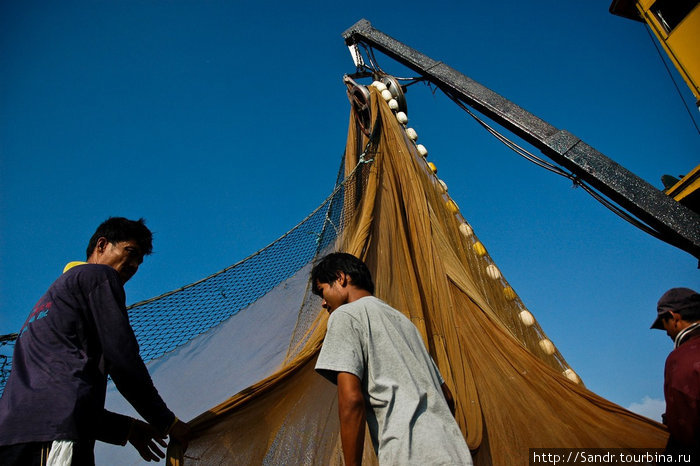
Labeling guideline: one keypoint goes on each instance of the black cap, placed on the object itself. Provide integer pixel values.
(675, 299)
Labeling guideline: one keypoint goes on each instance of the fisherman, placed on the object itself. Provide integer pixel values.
(76, 336)
(679, 314)
(384, 374)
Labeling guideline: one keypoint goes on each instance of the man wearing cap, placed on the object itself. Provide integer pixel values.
(679, 314)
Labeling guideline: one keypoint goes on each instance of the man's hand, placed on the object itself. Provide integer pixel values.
(180, 432)
(146, 440)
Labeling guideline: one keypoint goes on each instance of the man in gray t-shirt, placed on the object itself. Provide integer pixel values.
(384, 374)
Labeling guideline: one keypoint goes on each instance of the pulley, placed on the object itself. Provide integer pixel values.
(359, 99)
(398, 92)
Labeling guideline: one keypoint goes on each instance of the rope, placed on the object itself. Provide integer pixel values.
(559, 171)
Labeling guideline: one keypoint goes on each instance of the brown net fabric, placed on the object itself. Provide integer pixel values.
(509, 382)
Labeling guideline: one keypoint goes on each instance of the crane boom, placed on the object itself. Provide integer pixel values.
(674, 223)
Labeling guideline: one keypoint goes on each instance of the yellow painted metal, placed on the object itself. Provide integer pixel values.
(679, 39)
(680, 44)
(687, 186)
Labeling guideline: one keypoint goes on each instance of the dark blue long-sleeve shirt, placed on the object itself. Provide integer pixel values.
(76, 335)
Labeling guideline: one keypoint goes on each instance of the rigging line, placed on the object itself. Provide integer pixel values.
(415, 80)
(376, 62)
(328, 219)
(362, 66)
(511, 144)
(370, 57)
(373, 60)
(525, 154)
(621, 213)
(673, 79)
(559, 171)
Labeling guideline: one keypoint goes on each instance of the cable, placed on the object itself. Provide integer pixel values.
(559, 171)
(370, 58)
(510, 144)
(378, 69)
(673, 79)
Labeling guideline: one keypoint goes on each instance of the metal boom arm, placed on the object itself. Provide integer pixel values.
(675, 223)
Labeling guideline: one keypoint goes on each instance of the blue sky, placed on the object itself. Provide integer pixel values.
(223, 124)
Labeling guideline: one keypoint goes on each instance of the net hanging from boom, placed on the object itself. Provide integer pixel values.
(235, 352)
(510, 383)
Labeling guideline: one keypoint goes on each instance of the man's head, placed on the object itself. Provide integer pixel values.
(676, 310)
(121, 244)
(340, 278)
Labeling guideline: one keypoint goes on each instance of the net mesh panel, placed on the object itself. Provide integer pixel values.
(195, 309)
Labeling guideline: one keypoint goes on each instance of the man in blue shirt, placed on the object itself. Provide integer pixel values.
(76, 336)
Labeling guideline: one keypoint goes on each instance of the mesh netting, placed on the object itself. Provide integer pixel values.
(168, 321)
(194, 309)
(7, 344)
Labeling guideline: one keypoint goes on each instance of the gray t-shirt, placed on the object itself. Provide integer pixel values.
(407, 415)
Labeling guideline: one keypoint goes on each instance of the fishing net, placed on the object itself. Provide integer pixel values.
(234, 353)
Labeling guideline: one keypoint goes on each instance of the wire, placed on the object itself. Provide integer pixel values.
(370, 58)
(378, 69)
(673, 79)
(559, 171)
(370, 51)
(415, 80)
(510, 144)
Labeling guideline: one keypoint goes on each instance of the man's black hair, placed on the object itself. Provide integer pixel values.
(118, 229)
(328, 268)
(689, 315)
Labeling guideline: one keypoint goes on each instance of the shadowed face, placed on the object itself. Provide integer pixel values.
(671, 322)
(125, 257)
(334, 294)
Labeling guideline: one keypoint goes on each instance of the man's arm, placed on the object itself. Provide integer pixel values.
(448, 397)
(351, 410)
(113, 428)
(121, 354)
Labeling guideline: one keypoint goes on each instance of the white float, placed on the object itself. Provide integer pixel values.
(493, 272)
(571, 375)
(527, 318)
(466, 230)
(547, 346)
